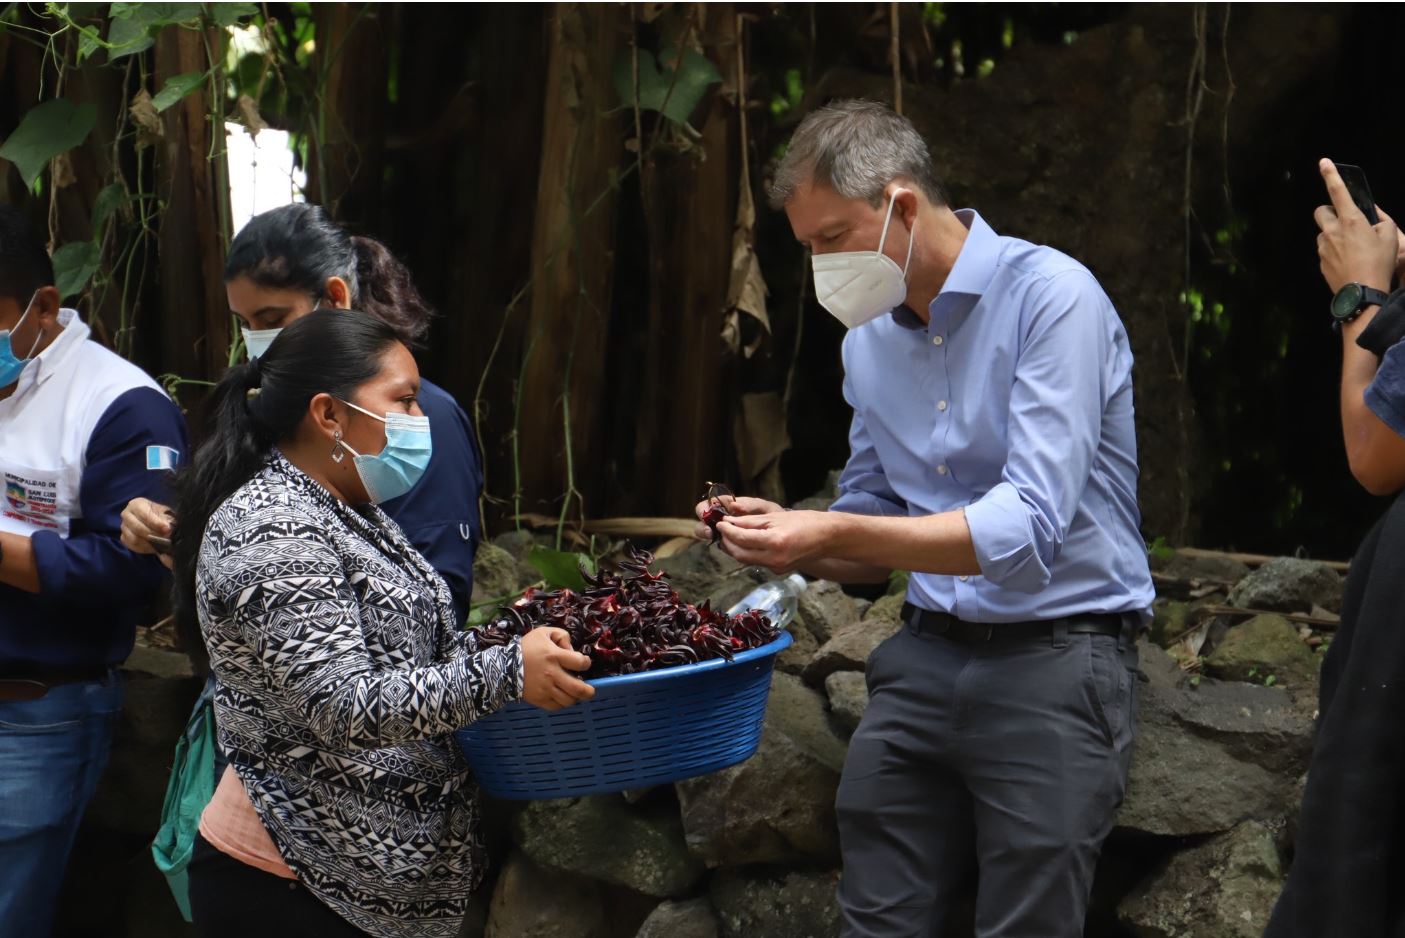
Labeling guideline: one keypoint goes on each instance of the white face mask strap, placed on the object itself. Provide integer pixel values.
(363, 410)
(910, 240)
(19, 322)
(883, 238)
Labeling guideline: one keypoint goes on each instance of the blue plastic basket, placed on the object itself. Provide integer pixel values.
(638, 730)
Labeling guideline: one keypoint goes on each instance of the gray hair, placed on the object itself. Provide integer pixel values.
(856, 148)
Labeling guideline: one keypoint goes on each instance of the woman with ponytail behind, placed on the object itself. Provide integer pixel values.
(346, 808)
(291, 260)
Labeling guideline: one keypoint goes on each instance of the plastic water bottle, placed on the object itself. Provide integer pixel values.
(778, 599)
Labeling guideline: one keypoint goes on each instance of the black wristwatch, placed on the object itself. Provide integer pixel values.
(1351, 300)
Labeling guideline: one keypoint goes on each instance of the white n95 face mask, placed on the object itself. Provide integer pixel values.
(257, 341)
(859, 286)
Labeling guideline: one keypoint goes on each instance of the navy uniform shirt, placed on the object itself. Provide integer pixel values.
(84, 432)
(1386, 393)
(440, 514)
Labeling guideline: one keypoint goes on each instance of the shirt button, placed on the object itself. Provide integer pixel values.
(941, 405)
(964, 579)
(942, 470)
(936, 340)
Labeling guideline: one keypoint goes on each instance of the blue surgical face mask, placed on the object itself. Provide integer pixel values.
(395, 470)
(10, 365)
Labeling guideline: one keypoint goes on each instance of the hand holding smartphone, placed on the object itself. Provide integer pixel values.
(1355, 180)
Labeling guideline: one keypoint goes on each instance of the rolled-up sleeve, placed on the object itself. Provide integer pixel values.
(863, 486)
(1056, 407)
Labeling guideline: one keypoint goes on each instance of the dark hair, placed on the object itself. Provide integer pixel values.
(255, 406)
(24, 262)
(300, 247)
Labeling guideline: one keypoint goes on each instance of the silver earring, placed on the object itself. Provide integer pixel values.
(337, 455)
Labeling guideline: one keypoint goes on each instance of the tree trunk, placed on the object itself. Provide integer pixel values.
(348, 152)
(194, 315)
(690, 208)
(572, 264)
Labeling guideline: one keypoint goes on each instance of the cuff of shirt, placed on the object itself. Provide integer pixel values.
(1003, 541)
(1383, 408)
(66, 570)
(855, 502)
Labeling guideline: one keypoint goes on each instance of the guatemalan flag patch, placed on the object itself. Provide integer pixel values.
(161, 457)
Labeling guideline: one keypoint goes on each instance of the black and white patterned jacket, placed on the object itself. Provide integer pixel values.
(340, 679)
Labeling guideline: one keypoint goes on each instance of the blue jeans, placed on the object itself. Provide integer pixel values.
(52, 752)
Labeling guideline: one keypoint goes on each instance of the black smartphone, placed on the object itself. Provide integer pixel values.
(1355, 181)
(162, 544)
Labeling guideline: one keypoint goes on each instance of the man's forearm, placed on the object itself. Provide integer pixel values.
(939, 544)
(17, 566)
(846, 571)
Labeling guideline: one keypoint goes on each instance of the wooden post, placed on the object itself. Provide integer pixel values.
(194, 315)
(572, 255)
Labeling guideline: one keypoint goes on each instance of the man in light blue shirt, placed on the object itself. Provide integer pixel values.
(993, 455)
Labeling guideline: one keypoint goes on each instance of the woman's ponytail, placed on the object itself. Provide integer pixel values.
(257, 406)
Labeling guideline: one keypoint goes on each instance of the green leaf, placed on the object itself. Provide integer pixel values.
(74, 266)
(229, 14)
(127, 36)
(177, 87)
(659, 89)
(89, 41)
(133, 24)
(47, 130)
(109, 200)
(1270, 681)
(561, 568)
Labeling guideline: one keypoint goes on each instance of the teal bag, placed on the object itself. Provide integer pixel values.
(191, 787)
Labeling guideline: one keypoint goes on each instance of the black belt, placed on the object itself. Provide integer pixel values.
(974, 633)
(34, 685)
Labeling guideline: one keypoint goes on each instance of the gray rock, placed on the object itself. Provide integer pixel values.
(1158, 669)
(803, 715)
(1224, 888)
(645, 852)
(520, 545)
(778, 806)
(1208, 758)
(795, 658)
(1263, 647)
(692, 919)
(799, 905)
(1170, 621)
(163, 663)
(495, 573)
(1208, 568)
(529, 902)
(517, 543)
(1287, 584)
(705, 572)
(850, 647)
(825, 608)
(848, 698)
(888, 608)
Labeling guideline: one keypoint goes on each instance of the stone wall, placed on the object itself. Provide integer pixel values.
(1200, 848)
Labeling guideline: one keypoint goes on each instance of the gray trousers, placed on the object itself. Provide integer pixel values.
(1010, 757)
